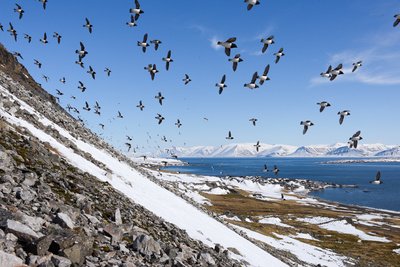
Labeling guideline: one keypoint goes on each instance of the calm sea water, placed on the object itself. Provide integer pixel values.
(383, 196)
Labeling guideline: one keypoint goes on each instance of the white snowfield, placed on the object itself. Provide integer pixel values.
(153, 197)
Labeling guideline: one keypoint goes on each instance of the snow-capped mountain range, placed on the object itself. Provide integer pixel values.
(266, 150)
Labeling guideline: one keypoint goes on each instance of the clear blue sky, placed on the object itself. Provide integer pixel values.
(314, 34)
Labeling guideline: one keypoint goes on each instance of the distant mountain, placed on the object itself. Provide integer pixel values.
(266, 150)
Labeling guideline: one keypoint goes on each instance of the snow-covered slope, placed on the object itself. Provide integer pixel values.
(140, 189)
(266, 150)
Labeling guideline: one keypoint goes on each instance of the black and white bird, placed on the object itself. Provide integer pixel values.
(80, 63)
(144, 43)
(355, 138)
(59, 92)
(58, 37)
(278, 55)
(12, 31)
(235, 61)
(37, 63)
(129, 138)
(46, 78)
(81, 86)
(336, 71)
(178, 123)
(137, 11)
(159, 118)
(252, 84)
(101, 125)
(275, 170)
(323, 105)
(62, 80)
(251, 3)
(132, 22)
(306, 125)
(342, 114)
(267, 42)
(44, 40)
(159, 97)
(82, 53)
(108, 71)
(230, 137)
(264, 77)
(187, 79)
(377, 179)
(167, 59)
(140, 105)
(156, 43)
(257, 145)
(28, 37)
(1, 27)
(44, 3)
(87, 106)
(228, 44)
(129, 146)
(91, 72)
(120, 115)
(97, 106)
(282, 197)
(327, 74)
(356, 65)
(19, 10)
(88, 25)
(222, 84)
(18, 55)
(397, 21)
(265, 168)
(253, 120)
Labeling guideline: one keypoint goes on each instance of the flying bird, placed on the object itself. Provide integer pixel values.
(323, 105)
(355, 138)
(377, 179)
(187, 79)
(1, 28)
(156, 43)
(178, 123)
(119, 115)
(230, 137)
(86, 107)
(81, 86)
(62, 80)
(140, 105)
(251, 3)
(222, 84)
(253, 120)
(167, 59)
(12, 31)
(143, 44)
(37, 63)
(108, 71)
(336, 71)
(265, 168)
(82, 53)
(267, 42)
(91, 72)
(264, 77)
(101, 125)
(58, 37)
(88, 25)
(278, 55)
(59, 92)
(80, 63)
(44, 3)
(252, 84)
(275, 170)
(129, 146)
(129, 138)
(235, 61)
(137, 11)
(159, 97)
(132, 22)
(159, 118)
(257, 145)
(44, 40)
(306, 124)
(327, 74)
(19, 10)
(342, 114)
(397, 20)
(356, 65)
(228, 44)
(46, 77)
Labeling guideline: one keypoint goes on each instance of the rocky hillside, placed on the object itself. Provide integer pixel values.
(54, 214)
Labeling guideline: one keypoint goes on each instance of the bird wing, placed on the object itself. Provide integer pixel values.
(87, 21)
(145, 38)
(378, 176)
(264, 48)
(169, 54)
(234, 66)
(341, 119)
(230, 40)
(333, 77)
(357, 134)
(253, 80)
(223, 79)
(338, 67)
(82, 47)
(305, 129)
(227, 51)
(396, 22)
(266, 70)
(137, 4)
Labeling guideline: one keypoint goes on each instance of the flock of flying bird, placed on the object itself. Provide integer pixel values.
(152, 69)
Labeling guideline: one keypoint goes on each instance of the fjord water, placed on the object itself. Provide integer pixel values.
(383, 196)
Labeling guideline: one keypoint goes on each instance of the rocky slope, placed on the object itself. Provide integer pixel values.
(53, 214)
